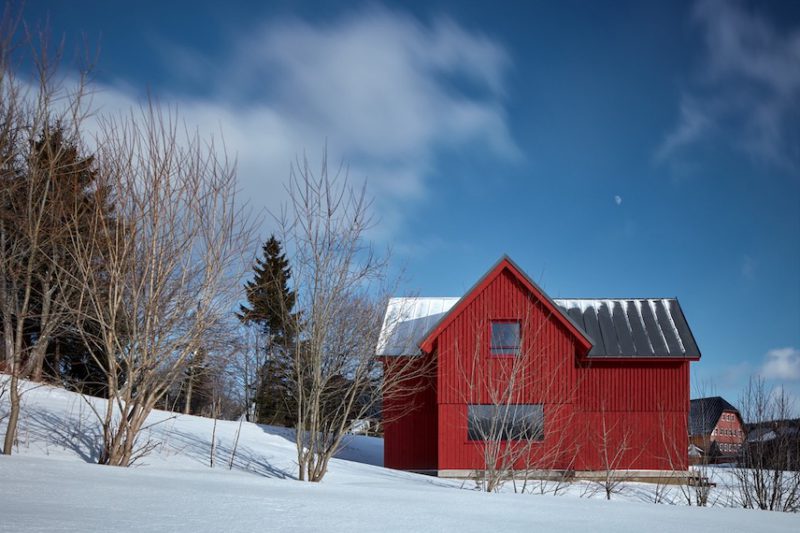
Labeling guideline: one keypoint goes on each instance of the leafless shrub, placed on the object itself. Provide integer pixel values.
(768, 474)
(171, 261)
(248, 356)
(614, 442)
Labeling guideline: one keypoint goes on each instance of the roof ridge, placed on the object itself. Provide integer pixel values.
(708, 398)
(561, 297)
(616, 298)
(424, 297)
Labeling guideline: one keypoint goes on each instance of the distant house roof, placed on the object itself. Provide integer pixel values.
(772, 429)
(704, 414)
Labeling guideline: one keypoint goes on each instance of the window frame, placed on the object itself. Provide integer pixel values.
(504, 350)
(538, 432)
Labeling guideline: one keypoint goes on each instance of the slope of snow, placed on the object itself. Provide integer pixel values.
(51, 485)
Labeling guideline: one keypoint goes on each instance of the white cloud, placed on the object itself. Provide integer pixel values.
(693, 124)
(386, 92)
(618, 199)
(782, 364)
(748, 88)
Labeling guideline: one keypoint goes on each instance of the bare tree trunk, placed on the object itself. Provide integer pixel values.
(213, 437)
(13, 417)
(235, 443)
(187, 408)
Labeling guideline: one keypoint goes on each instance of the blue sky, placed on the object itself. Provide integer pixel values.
(612, 149)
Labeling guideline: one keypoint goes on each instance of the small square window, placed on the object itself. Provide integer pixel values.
(505, 337)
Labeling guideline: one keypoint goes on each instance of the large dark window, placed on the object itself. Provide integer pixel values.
(505, 422)
(505, 337)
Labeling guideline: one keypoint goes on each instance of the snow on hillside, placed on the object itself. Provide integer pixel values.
(51, 485)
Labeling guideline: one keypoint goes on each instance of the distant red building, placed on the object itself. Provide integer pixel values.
(579, 376)
(716, 428)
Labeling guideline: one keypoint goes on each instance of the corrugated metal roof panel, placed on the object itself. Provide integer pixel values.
(652, 328)
(593, 328)
(674, 346)
(689, 344)
(634, 327)
(640, 340)
(623, 329)
(607, 329)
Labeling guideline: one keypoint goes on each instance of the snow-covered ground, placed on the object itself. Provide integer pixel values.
(52, 485)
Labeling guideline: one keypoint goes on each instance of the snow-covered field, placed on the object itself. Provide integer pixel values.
(52, 485)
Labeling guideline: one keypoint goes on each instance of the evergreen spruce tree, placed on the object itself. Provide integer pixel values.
(69, 357)
(270, 305)
(72, 178)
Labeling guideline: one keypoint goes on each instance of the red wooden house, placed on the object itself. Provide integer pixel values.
(577, 380)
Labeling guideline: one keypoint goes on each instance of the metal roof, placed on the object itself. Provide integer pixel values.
(644, 327)
(704, 414)
(407, 321)
(633, 327)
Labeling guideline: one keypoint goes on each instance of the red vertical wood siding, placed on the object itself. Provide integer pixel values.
(410, 425)
(645, 406)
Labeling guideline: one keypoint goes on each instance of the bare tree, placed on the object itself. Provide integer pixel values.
(39, 129)
(243, 367)
(768, 473)
(172, 258)
(342, 289)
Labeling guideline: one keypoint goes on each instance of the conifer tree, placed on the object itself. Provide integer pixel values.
(68, 358)
(270, 308)
(53, 166)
